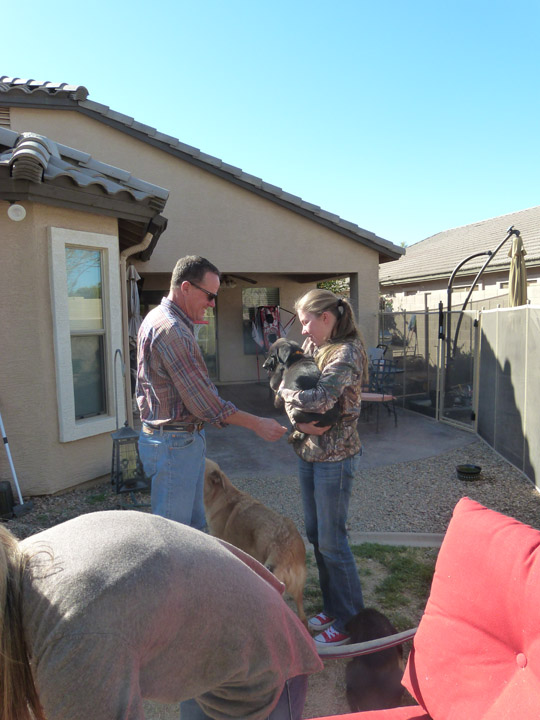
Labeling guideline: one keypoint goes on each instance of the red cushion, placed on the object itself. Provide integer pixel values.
(400, 713)
(477, 650)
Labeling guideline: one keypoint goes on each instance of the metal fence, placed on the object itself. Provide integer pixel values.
(486, 383)
(508, 411)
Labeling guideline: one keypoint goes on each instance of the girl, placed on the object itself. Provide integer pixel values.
(327, 455)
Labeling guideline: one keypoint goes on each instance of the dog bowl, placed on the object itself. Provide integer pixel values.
(468, 472)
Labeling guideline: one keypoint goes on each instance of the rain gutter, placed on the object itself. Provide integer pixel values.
(125, 320)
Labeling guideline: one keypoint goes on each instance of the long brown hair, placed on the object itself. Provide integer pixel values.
(18, 695)
(345, 330)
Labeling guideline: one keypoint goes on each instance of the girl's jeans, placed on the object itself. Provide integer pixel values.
(326, 491)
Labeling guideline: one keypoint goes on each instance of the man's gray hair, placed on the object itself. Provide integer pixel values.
(192, 267)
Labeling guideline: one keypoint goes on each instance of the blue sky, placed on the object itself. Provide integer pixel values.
(407, 118)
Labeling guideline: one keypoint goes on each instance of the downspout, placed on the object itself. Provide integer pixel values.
(125, 323)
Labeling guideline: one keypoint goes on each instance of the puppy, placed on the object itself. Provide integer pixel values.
(287, 363)
(270, 538)
(373, 681)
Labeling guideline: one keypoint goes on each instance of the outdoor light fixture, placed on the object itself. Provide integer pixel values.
(127, 473)
(16, 212)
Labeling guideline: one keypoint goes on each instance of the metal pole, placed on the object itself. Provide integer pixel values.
(511, 231)
(10, 460)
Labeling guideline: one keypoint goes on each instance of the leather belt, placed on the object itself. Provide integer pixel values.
(173, 427)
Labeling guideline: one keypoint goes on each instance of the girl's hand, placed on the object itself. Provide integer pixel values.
(312, 429)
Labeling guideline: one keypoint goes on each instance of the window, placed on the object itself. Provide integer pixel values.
(87, 329)
(252, 298)
(84, 272)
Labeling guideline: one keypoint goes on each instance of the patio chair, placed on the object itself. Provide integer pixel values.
(380, 389)
(375, 353)
(476, 654)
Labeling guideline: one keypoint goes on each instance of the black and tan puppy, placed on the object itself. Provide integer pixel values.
(373, 681)
(287, 363)
(270, 538)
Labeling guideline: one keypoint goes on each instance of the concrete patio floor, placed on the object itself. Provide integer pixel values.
(242, 453)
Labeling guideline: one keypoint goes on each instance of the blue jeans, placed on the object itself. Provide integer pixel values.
(175, 463)
(326, 491)
(290, 704)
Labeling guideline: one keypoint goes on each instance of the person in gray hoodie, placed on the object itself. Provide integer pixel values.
(105, 610)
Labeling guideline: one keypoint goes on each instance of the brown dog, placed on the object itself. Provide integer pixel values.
(373, 681)
(270, 538)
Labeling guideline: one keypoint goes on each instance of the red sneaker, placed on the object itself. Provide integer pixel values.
(332, 637)
(320, 621)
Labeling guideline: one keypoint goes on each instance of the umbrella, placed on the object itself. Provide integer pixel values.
(134, 305)
(517, 290)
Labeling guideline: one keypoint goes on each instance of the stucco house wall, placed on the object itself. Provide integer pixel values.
(236, 229)
(29, 391)
(82, 171)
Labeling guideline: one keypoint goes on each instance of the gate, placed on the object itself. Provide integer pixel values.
(434, 377)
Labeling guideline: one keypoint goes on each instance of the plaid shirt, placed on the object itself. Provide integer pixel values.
(172, 379)
(340, 382)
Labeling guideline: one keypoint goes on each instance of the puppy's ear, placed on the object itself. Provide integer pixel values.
(288, 351)
(284, 353)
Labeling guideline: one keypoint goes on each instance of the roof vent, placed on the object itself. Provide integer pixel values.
(30, 157)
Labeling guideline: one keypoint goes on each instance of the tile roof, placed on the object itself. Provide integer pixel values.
(38, 159)
(437, 256)
(24, 91)
(17, 85)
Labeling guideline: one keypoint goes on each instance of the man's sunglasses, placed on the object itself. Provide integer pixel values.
(211, 295)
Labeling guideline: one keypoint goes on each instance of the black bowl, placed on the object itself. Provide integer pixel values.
(468, 472)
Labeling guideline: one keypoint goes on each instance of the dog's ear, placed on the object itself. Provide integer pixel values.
(216, 478)
(289, 351)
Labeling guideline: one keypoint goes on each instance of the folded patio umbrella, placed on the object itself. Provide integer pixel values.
(134, 305)
(517, 288)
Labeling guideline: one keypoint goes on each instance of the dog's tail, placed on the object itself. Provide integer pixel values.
(290, 569)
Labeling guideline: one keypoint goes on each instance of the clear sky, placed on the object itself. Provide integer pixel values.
(407, 117)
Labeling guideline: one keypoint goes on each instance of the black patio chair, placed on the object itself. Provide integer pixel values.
(380, 388)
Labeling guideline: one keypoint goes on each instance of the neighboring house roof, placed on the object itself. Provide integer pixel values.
(437, 256)
(20, 92)
(36, 168)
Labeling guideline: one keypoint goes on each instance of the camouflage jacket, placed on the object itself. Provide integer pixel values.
(340, 382)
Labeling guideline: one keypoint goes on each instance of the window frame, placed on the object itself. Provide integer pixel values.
(69, 427)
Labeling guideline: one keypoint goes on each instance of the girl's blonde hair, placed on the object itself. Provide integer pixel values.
(319, 301)
(18, 695)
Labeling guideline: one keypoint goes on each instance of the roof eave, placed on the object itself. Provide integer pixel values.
(387, 251)
(142, 219)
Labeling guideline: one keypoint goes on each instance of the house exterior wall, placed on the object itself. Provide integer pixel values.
(236, 229)
(29, 394)
(491, 292)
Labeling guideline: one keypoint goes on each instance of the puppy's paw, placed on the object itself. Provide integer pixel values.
(296, 437)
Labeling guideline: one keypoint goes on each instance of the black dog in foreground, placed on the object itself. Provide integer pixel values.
(287, 363)
(373, 681)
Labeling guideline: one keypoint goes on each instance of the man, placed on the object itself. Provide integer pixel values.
(176, 396)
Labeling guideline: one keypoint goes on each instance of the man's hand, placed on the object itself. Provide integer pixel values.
(269, 429)
(312, 429)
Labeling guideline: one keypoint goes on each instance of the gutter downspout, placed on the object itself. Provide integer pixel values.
(125, 324)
